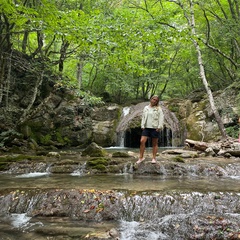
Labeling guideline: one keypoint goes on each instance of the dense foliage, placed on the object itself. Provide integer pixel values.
(122, 49)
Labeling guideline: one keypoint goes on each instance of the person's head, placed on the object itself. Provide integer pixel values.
(154, 100)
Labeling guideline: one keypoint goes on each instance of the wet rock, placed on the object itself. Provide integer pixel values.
(114, 233)
(98, 164)
(182, 152)
(66, 168)
(228, 147)
(167, 214)
(54, 154)
(121, 154)
(104, 122)
(209, 152)
(93, 150)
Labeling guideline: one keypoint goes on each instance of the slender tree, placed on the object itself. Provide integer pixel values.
(191, 22)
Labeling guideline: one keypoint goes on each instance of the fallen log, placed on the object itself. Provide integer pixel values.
(229, 146)
(197, 145)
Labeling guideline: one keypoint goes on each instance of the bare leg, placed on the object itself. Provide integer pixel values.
(142, 146)
(154, 147)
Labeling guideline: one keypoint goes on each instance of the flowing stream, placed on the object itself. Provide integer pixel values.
(194, 205)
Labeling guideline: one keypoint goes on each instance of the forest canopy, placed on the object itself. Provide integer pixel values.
(122, 50)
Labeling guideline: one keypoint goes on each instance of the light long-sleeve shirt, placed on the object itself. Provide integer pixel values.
(152, 117)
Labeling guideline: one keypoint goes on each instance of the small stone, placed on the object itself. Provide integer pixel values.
(114, 233)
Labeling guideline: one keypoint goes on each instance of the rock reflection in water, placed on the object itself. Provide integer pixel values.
(21, 227)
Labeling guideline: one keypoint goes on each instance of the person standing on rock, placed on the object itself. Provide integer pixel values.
(151, 124)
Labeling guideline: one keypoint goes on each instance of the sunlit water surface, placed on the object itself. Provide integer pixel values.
(123, 181)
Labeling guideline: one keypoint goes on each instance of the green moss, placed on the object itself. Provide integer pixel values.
(192, 129)
(45, 140)
(7, 159)
(178, 159)
(232, 131)
(174, 108)
(3, 166)
(94, 152)
(114, 169)
(135, 123)
(20, 157)
(203, 105)
(100, 167)
(34, 126)
(98, 163)
(95, 161)
(61, 139)
(120, 154)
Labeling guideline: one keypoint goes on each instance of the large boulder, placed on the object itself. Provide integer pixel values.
(65, 122)
(93, 150)
(105, 120)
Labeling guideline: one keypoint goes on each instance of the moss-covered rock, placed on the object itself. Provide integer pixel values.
(19, 157)
(121, 154)
(6, 160)
(178, 159)
(98, 163)
(93, 150)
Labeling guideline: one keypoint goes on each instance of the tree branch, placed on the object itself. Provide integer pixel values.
(221, 53)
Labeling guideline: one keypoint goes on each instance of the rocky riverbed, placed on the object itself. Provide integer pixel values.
(72, 195)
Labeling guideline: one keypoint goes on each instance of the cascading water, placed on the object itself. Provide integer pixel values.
(121, 134)
(37, 169)
(129, 130)
(194, 199)
(80, 171)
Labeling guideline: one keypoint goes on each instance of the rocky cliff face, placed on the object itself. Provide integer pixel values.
(60, 119)
(73, 123)
(197, 119)
(65, 122)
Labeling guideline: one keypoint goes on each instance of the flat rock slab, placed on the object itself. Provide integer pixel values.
(189, 153)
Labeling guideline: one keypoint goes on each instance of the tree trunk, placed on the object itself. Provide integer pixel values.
(79, 73)
(24, 41)
(2, 75)
(26, 112)
(63, 52)
(191, 22)
(8, 79)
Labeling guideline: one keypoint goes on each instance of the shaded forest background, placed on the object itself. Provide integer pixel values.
(119, 51)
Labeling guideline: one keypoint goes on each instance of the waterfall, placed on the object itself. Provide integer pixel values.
(126, 111)
(129, 129)
(121, 134)
(121, 139)
(39, 170)
(128, 168)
